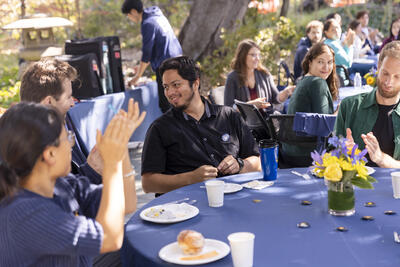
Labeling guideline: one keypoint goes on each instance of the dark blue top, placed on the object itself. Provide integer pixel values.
(158, 39)
(302, 48)
(79, 165)
(58, 231)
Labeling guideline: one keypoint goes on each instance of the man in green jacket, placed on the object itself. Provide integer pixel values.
(372, 120)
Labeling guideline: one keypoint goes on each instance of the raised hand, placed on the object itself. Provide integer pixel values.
(372, 145)
(95, 161)
(112, 145)
(350, 141)
(134, 120)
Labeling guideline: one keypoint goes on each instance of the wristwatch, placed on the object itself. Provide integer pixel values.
(241, 163)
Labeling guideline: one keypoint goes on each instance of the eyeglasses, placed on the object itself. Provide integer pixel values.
(255, 55)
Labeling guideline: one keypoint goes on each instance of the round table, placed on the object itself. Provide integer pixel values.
(274, 219)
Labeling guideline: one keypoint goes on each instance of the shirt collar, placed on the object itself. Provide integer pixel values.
(209, 111)
(370, 100)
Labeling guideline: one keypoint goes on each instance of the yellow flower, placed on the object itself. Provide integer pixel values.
(345, 164)
(333, 172)
(318, 172)
(361, 170)
(328, 159)
(370, 80)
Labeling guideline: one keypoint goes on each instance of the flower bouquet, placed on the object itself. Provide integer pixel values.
(342, 168)
(370, 77)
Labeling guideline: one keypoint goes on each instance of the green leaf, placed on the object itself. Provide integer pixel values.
(371, 179)
(361, 183)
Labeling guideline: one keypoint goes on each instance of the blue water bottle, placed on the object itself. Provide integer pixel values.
(269, 158)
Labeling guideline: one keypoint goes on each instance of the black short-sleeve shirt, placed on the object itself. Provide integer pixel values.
(177, 143)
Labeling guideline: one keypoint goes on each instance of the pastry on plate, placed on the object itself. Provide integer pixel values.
(191, 242)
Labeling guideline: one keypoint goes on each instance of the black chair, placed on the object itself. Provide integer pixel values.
(343, 80)
(255, 121)
(284, 74)
(282, 126)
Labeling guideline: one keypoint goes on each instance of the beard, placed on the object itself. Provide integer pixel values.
(186, 103)
(395, 91)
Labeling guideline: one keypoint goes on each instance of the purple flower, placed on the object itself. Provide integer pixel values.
(317, 157)
(334, 141)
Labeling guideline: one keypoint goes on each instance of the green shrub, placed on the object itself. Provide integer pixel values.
(9, 86)
(277, 38)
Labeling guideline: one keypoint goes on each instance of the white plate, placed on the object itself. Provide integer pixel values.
(370, 170)
(172, 252)
(169, 213)
(232, 188)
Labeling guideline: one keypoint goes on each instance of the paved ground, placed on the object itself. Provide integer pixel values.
(136, 155)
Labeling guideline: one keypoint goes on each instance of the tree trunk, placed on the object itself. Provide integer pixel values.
(78, 11)
(200, 35)
(23, 7)
(285, 8)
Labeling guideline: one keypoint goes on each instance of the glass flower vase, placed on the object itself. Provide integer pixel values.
(341, 198)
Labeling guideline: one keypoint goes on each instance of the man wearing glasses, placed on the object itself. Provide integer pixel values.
(49, 82)
(195, 140)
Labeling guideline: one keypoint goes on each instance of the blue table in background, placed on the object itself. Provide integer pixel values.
(279, 242)
(89, 115)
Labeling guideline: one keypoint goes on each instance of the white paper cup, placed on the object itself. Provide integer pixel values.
(215, 193)
(242, 248)
(396, 184)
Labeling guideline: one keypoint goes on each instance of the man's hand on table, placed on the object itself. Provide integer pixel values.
(204, 172)
(229, 165)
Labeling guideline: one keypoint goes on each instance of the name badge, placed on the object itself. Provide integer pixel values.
(225, 137)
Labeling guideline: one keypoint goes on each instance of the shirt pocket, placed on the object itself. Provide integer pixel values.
(230, 148)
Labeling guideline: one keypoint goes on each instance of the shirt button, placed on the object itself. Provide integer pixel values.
(205, 139)
(212, 155)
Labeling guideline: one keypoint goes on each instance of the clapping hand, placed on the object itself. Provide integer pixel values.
(112, 145)
(372, 145)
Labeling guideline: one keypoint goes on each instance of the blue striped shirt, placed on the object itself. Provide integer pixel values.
(58, 231)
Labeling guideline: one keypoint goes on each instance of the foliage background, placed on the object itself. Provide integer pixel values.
(277, 37)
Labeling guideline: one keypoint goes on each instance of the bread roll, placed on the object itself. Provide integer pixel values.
(191, 242)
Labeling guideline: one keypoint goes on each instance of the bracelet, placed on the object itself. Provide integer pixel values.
(129, 174)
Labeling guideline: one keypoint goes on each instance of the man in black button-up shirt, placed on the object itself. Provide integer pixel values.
(195, 140)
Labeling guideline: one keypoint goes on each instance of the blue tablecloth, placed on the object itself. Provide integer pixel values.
(279, 242)
(96, 113)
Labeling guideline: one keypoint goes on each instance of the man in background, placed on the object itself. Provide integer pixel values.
(313, 36)
(372, 37)
(158, 42)
(48, 82)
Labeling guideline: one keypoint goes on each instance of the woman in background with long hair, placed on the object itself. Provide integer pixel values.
(250, 81)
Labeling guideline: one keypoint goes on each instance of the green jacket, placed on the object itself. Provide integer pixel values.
(359, 113)
(311, 95)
